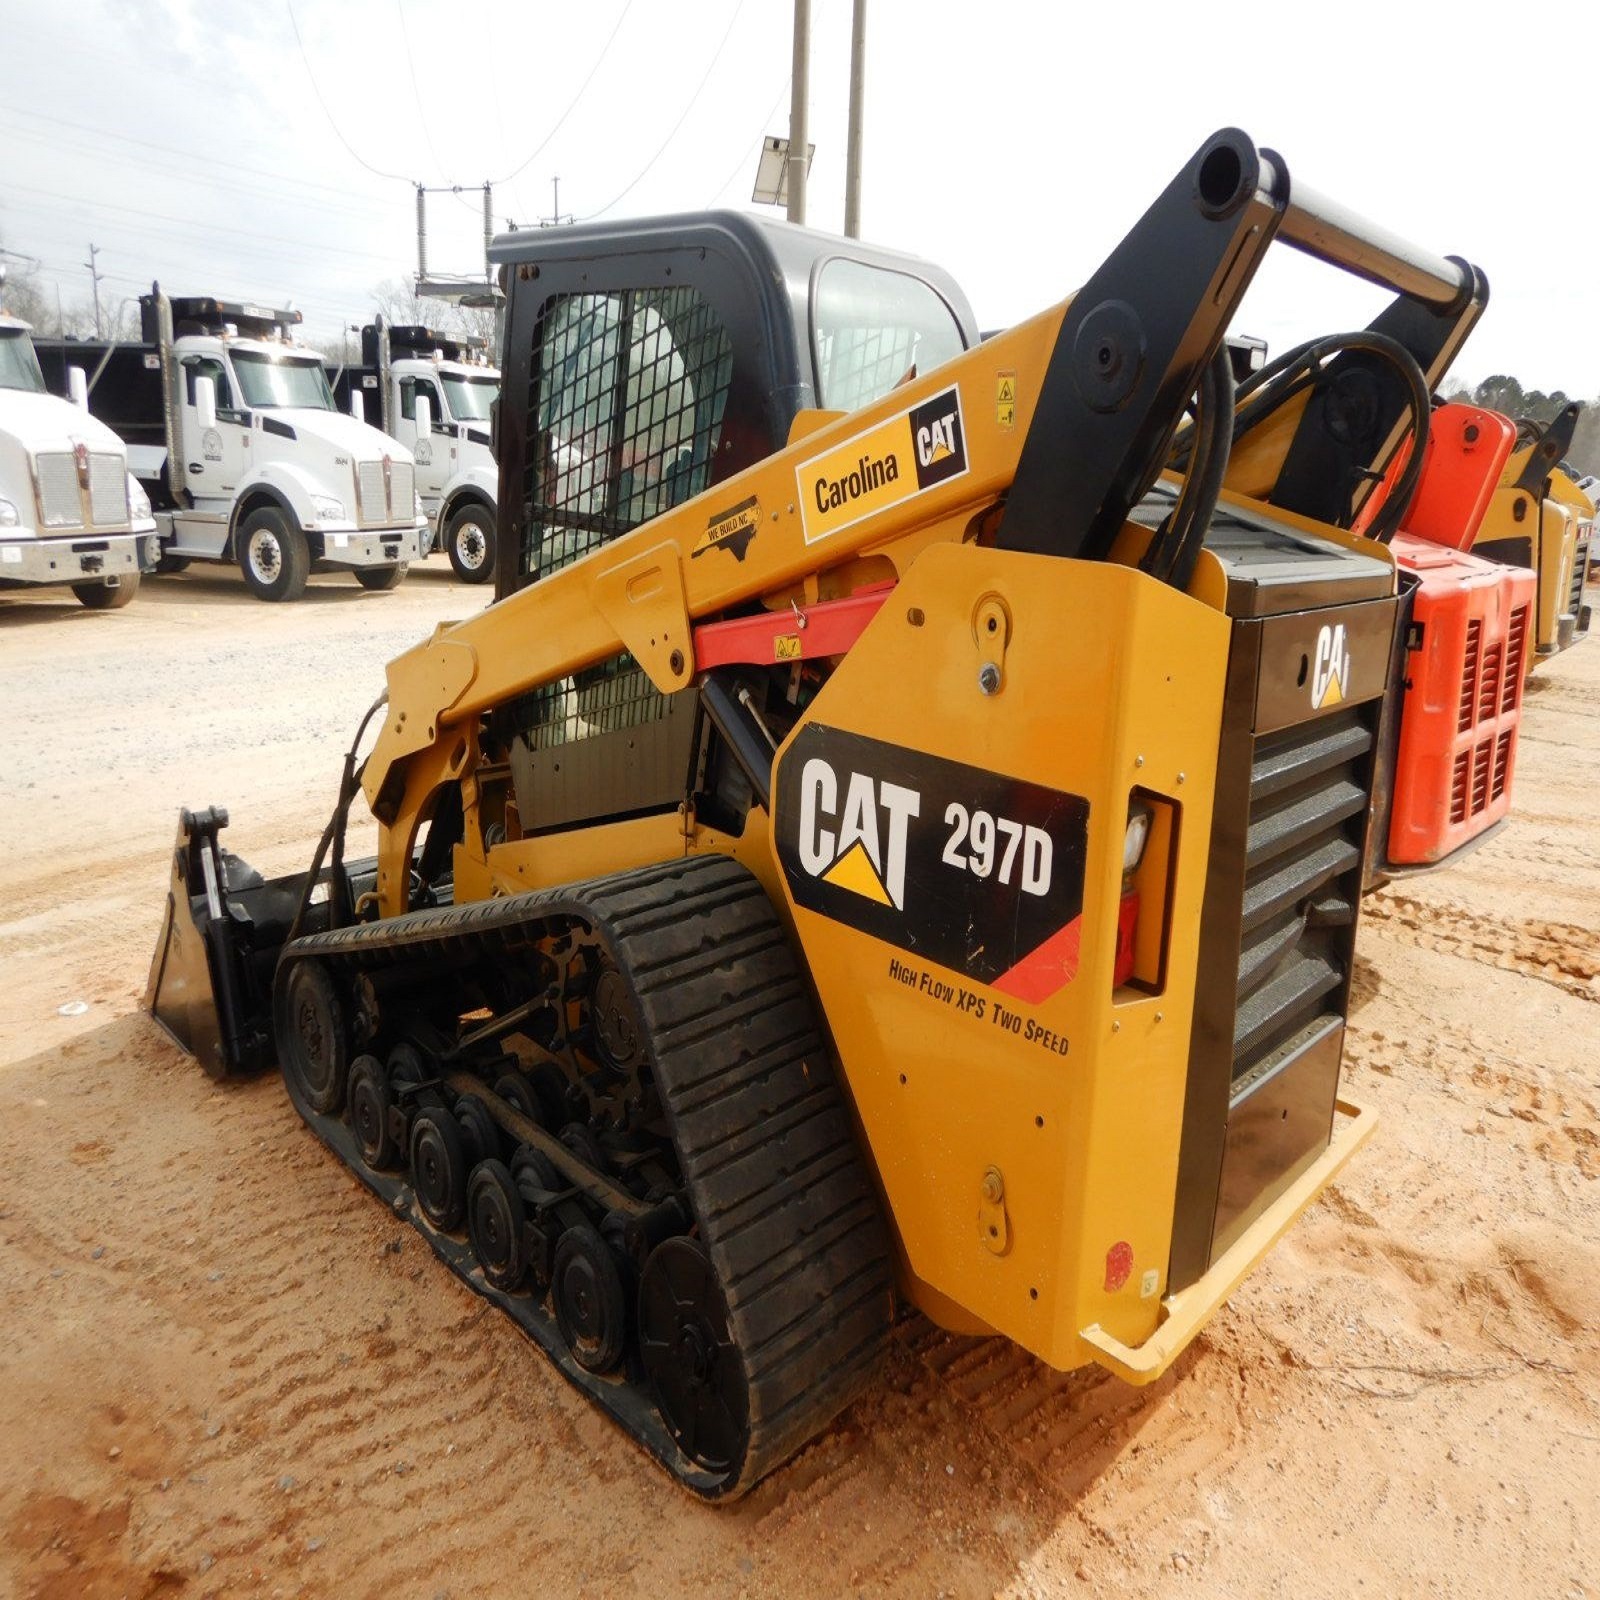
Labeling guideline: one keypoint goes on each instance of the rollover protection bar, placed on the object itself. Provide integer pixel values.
(1318, 225)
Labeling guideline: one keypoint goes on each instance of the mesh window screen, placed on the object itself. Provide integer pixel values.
(628, 391)
(628, 394)
(872, 326)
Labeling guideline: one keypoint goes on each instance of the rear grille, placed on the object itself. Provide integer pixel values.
(1516, 643)
(1308, 814)
(1469, 675)
(59, 503)
(108, 491)
(1460, 781)
(1580, 569)
(1489, 684)
(1502, 763)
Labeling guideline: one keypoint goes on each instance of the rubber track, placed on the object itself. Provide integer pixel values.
(767, 1150)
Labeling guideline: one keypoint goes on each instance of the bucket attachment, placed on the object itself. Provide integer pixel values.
(211, 977)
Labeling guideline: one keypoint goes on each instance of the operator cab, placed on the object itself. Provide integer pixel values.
(663, 356)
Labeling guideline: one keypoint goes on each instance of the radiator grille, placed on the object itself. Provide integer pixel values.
(1460, 782)
(1516, 643)
(1308, 815)
(374, 504)
(1580, 570)
(59, 502)
(108, 491)
(402, 494)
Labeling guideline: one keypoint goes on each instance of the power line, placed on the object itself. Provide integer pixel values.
(120, 138)
(693, 98)
(411, 64)
(311, 78)
(604, 49)
(232, 185)
(206, 229)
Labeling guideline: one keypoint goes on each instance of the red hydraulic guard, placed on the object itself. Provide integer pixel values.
(1466, 451)
(1463, 699)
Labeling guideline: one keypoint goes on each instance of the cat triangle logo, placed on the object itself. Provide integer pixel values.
(854, 871)
(1330, 669)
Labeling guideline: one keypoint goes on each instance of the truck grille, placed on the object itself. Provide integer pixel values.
(108, 491)
(59, 502)
(374, 504)
(397, 503)
(1308, 814)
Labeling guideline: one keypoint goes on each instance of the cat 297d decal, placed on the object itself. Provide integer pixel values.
(961, 866)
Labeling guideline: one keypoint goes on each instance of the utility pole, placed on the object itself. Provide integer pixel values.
(852, 160)
(488, 230)
(422, 233)
(799, 133)
(94, 275)
(555, 219)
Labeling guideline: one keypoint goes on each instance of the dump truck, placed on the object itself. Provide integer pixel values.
(232, 430)
(435, 393)
(898, 834)
(70, 514)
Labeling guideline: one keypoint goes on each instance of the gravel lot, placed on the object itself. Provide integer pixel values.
(226, 1370)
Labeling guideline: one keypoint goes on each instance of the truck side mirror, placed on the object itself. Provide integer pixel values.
(205, 401)
(78, 388)
(358, 404)
(424, 416)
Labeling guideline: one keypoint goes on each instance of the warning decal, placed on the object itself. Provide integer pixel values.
(882, 467)
(1005, 400)
(961, 866)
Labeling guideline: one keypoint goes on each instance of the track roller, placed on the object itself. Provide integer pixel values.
(439, 1167)
(591, 1304)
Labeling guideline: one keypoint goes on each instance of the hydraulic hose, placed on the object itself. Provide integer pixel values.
(1175, 548)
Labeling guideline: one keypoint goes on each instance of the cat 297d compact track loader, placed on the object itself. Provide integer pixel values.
(900, 828)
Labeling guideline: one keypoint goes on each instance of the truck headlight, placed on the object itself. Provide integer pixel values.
(9, 516)
(327, 508)
(1136, 837)
(138, 500)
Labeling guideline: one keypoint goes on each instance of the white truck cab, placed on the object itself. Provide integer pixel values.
(69, 512)
(232, 428)
(433, 393)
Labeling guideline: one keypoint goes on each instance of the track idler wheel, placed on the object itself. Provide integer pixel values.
(370, 1101)
(439, 1167)
(690, 1358)
(313, 1045)
(496, 1224)
(591, 1305)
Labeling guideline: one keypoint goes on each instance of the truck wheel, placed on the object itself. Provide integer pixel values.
(103, 596)
(272, 555)
(382, 577)
(469, 537)
(170, 564)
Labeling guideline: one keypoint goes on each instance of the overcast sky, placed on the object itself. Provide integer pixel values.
(201, 142)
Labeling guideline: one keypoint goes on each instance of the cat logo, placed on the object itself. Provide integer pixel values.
(936, 435)
(1330, 670)
(936, 441)
(861, 847)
